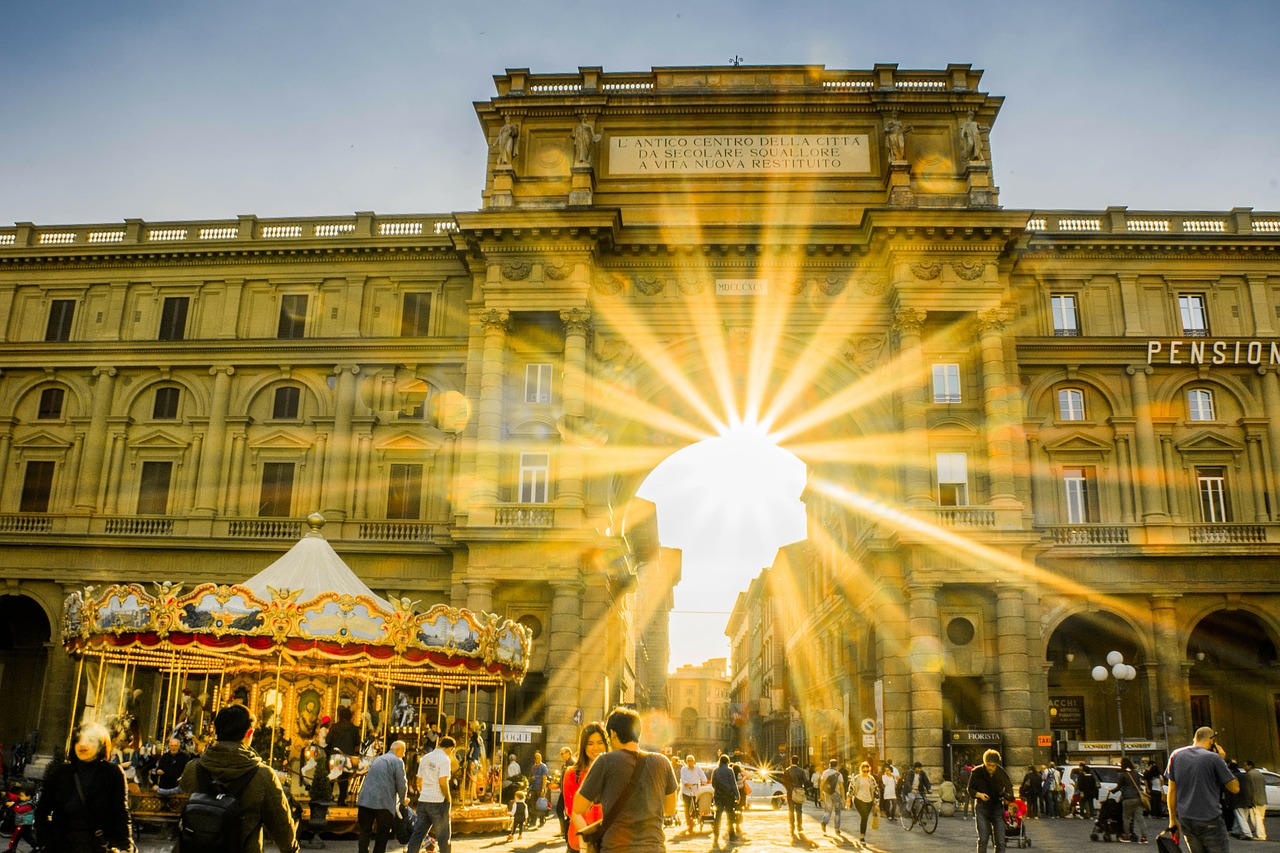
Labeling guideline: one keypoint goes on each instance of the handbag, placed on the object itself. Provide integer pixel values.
(1143, 796)
(589, 837)
(404, 826)
(875, 819)
(797, 796)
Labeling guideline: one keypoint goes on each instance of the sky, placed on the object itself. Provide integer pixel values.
(183, 110)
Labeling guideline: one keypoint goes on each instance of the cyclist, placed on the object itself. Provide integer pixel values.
(916, 786)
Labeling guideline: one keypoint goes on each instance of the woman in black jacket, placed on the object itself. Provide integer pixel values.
(85, 804)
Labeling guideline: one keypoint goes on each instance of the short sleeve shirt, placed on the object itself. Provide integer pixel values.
(638, 826)
(1199, 775)
(691, 780)
(433, 767)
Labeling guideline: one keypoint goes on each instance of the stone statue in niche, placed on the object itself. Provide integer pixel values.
(584, 136)
(895, 138)
(971, 139)
(508, 143)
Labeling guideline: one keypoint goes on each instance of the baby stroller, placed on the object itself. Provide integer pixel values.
(1110, 821)
(1015, 824)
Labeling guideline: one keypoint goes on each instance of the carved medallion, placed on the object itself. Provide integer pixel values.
(556, 271)
(926, 270)
(649, 284)
(516, 270)
(969, 270)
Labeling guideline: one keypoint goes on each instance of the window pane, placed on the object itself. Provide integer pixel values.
(51, 404)
(534, 472)
(952, 468)
(404, 492)
(293, 316)
(285, 406)
(173, 318)
(537, 383)
(1195, 322)
(37, 486)
(414, 317)
(1078, 494)
(166, 404)
(153, 489)
(1212, 483)
(1070, 405)
(1064, 316)
(277, 490)
(1200, 405)
(61, 313)
(946, 383)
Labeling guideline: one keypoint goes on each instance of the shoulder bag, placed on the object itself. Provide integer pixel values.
(589, 838)
(1143, 796)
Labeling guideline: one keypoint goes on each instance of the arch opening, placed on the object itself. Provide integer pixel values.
(24, 638)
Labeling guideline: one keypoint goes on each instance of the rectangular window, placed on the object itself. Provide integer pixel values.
(1212, 484)
(1065, 320)
(404, 492)
(1080, 486)
(537, 383)
(173, 318)
(1071, 404)
(285, 404)
(61, 313)
(153, 488)
(37, 486)
(293, 316)
(1199, 405)
(166, 404)
(1195, 322)
(535, 469)
(277, 490)
(415, 314)
(946, 383)
(51, 400)
(1201, 711)
(953, 480)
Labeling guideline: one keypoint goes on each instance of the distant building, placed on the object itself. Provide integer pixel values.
(698, 701)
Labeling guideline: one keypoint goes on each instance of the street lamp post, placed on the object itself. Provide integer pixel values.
(1120, 673)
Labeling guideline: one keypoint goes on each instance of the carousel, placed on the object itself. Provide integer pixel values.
(296, 643)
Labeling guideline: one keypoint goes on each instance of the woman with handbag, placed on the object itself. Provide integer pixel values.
(85, 804)
(864, 791)
(1133, 826)
(592, 743)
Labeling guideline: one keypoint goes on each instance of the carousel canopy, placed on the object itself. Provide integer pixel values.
(307, 610)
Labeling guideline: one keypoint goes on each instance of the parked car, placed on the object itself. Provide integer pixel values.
(1273, 790)
(1106, 774)
(765, 789)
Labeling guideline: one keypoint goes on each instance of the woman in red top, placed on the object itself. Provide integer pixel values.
(592, 743)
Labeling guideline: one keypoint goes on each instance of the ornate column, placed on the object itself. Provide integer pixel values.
(1148, 468)
(210, 490)
(338, 484)
(318, 455)
(1039, 502)
(576, 325)
(1014, 675)
(995, 392)
(909, 322)
(1271, 398)
(193, 471)
(89, 484)
(489, 419)
(926, 674)
(893, 635)
(234, 505)
(111, 502)
(1257, 484)
(564, 696)
(5, 439)
(1170, 479)
(1125, 479)
(364, 477)
(73, 459)
(1172, 688)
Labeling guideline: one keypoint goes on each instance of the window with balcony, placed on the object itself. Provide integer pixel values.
(1081, 494)
(1066, 322)
(173, 318)
(537, 383)
(1070, 404)
(535, 472)
(61, 313)
(51, 400)
(1195, 320)
(1200, 405)
(37, 486)
(276, 500)
(153, 488)
(414, 315)
(946, 383)
(284, 404)
(1215, 507)
(165, 407)
(404, 492)
(953, 479)
(293, 316)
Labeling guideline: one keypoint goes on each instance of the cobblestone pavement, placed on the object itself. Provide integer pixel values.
(767, 831)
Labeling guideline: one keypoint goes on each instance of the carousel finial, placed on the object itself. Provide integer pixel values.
(316, 520)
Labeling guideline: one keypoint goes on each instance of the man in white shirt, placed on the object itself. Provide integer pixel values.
(434, 771)
(692, 780)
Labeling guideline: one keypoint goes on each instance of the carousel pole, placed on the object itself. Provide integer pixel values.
(99, 686)
(75, 703)
(271, 750)
(440, 710)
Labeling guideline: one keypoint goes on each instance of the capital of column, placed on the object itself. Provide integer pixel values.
(576, 320)
(109, 372)
(495, 319)
(215, 370)
(566, 587)
(992, 320)
(1135, 369)
(1164, 599)
(923, 590)
(909, 320)
(479, 584)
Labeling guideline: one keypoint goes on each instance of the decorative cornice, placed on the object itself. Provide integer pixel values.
(909, 320)
(992, 320)
(576, 320)
(495, 319)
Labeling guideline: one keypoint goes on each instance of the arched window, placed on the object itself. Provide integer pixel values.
(1200, 405)
(1070, 404)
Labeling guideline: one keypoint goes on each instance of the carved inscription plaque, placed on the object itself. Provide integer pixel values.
(727, 154)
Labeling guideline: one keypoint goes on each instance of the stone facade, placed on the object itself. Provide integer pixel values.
(698, 699)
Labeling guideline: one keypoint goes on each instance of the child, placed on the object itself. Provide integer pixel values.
(24, 818)
(519, 814)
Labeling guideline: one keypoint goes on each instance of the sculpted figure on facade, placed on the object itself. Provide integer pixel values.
(508, 143)
(895, 138)
(584, 137)
(971, 139)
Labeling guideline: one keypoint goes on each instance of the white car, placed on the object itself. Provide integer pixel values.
(1273, 790)
(765, 789)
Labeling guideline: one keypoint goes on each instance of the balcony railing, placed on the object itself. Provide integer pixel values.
(963, 516)
(524, 515)
(1228, 534)
(1120, 220)
(139, 526)
(1090, 534)
(264, 528)
(25, 523)
(395, 531)
(1102, 535)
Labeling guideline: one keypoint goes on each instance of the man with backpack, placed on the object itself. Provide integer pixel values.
(234, 795)
(832, 786)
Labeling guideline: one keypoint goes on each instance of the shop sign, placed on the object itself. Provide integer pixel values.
(1114, 745)
(1044, 740)
(972, 738)
(1066, 712)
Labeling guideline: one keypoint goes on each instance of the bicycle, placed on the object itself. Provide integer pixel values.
(922, 813)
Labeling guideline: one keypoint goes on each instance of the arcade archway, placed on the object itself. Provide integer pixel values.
(24, 637)
(1233, 683)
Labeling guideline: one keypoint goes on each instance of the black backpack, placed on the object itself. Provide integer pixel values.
(210, 821)
(831, 784)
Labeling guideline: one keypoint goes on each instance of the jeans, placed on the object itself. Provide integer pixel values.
(434, 816)
(723, 807)
(834, 804)
(1133, 824)
(989, 824)
(366, 818)
(1205, 836)
(795, 814)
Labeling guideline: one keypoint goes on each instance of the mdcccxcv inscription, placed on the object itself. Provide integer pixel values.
(1207, 352)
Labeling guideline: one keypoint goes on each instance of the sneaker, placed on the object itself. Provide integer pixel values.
(1124, 839)
(1142, 840)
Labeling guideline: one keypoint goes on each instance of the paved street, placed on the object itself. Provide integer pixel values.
(767, 831)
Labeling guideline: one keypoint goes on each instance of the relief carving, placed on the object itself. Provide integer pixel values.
(691, 284)
(909, 320)
(969, 270)
(610, 284)
(516, 270)
(556, 271)
(926, 270)
(649, 284)
(832, 285)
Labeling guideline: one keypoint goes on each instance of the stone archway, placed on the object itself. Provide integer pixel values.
(1234, 684)
(24, 650)
(1081, 709)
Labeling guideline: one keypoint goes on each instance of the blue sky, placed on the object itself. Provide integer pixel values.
(184, 110)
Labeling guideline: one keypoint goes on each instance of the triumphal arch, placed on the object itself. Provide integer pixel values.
(1033, 437)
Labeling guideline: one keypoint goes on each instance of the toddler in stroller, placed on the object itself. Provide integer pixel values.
(1015, 824)
(1110, 821)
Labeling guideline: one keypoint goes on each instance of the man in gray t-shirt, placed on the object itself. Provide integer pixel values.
(1197, 774)
(637, 825)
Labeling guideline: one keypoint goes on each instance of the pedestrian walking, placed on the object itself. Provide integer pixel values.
(1197, 774)
(382, 793)
(1133, 826)
(724, 791)
(832, 787)
(434, 796)
(991, 788)
(84, 806)
(864, 792)
(593, 742)
(794, 783)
